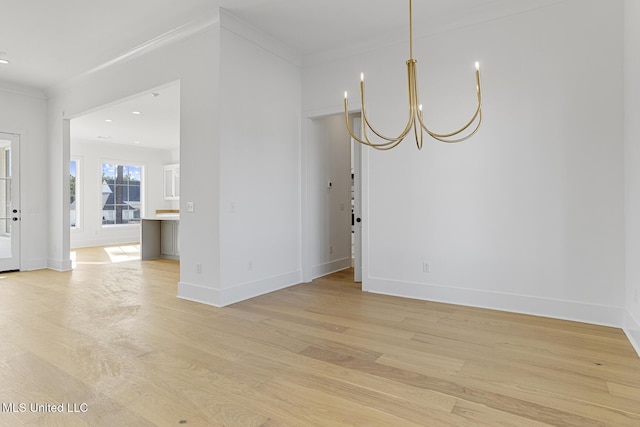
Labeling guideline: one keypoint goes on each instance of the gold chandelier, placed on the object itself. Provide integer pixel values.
(415, 111)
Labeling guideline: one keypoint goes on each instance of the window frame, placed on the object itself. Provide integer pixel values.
(78, 193)
(124, 163)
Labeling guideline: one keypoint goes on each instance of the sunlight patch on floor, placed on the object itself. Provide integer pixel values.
(123, 253)
(105, 255)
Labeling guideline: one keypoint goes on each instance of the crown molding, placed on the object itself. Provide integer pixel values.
(235, 25)
(17, 89)
(182, 32)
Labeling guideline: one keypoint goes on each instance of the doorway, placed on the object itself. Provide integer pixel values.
(119, 153)
(333, 199)
(10, 202)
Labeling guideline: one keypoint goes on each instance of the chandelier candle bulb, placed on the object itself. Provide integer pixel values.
(416, 121)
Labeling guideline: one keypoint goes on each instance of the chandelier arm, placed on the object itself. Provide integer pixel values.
(415, 110)
(452, 141)
(382, 146)
(416, 125)
(454, 133)
(350, 129)
(386, 147)
(391, 140)
(414, 80)
(399, 138)
(388, 142)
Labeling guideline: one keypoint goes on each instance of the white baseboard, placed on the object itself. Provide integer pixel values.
(200, 294)
(33, 264)
(227, 296)
(105, 241)
(59, 264)
(330, 267)
(632, 330)
(544, 307)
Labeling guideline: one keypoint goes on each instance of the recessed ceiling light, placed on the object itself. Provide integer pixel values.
(155, 94)
(137, 113)
(136, 142)
(3, 61)
(108, 120)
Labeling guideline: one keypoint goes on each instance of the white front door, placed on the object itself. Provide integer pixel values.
(9, 202)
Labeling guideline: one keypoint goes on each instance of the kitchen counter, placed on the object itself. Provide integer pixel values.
(163, 217)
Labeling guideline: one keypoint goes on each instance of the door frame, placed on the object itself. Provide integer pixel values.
(306, 225)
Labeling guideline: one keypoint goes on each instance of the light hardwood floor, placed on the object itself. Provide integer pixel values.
(112, 340)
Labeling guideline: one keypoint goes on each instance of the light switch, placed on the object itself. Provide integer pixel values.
(189, 206)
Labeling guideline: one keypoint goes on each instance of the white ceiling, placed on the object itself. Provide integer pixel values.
(48, 42)
(157, 125)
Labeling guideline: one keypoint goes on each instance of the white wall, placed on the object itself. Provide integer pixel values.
(23, 111)
(260, 164)
(329, 209)
(91, 156)
(193, 60)
(632, 170)
(251, 147)
(528, 215)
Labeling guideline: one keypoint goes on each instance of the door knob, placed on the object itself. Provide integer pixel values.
(358, 220)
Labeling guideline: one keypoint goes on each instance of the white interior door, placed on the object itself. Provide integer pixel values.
(357, 203)
(9, 202)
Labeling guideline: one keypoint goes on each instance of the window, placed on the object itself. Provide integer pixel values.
(5, 191)
(121, 194)
(73, 192)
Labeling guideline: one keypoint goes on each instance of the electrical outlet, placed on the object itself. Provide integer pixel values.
(250, 266)
(426, 268)
(199, 268)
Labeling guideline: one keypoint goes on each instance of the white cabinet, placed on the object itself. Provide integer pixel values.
(160, 238)
(172, 182)
(170, 239)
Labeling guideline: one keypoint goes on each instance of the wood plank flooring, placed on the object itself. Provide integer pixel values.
(112, 344)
